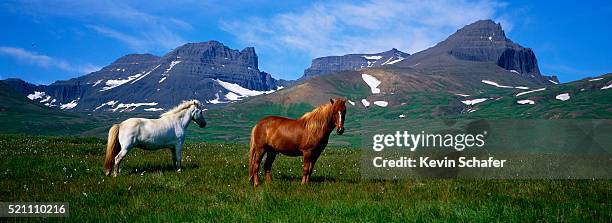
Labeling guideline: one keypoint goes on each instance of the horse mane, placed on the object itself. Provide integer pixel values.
(182, 106)
(317, 118)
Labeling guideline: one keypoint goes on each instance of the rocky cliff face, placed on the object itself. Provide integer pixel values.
(486, 41)
(214, 60)
(330, 64)
(208, 71)
(482, 41)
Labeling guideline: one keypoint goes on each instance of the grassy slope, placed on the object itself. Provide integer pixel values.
(19, 115)
(213, 188)
(587, 100)
(234, 122)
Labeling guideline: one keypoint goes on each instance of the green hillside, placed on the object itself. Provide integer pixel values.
(20, 115)
(410, 94)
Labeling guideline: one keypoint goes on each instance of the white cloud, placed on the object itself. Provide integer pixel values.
(45, 61)
(124, 21)
(162, 38)
(333, 28)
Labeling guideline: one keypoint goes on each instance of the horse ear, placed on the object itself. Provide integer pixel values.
(331, 101)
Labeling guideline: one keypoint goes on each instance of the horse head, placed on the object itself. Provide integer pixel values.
(339, 112)
(197, 115)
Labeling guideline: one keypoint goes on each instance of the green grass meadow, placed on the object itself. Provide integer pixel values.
(213, 187)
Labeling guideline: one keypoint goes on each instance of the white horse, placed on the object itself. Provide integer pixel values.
(168, 131)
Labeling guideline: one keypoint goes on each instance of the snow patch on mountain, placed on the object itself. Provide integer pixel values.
(237, 92)
(132, 106)
(162, 79)
(395, 61)
(48, 98)
(50, 104)
(365, 102)
(554, 82)
(110, 84)
(372, 82)
(109, 103)
(36, 95)
(495, 84)
(525, 102)
(216, 100)
(70, 105)
(147, 73)
(232, 96)
(492, 83)
(473, 101)
(563, 97)
(97, 82)
(391, 61)
(606, 87)
(153, 109)
(172, 64)
(596, 79)
(372, 57)
(527, 92)
(381, 103)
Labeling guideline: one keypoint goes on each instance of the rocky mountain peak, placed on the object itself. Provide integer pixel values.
(214, 52)
(481, 28)
(208, 71)
(485, 40)
(330, 64)
(135, 58)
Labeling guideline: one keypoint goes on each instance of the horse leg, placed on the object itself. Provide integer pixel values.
(313, 160)
(127, 142)
(258, 156)
(118, 160)
(268, 165)
(177, 156)
(307, 163)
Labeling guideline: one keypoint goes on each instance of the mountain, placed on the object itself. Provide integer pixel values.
(475, 72)
(208, 71)
(472, 48)
(331, 64)
(482, 41)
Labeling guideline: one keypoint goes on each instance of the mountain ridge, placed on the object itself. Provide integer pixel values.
(330, 64)
(481, 41)
(215, 74)
(145, 81)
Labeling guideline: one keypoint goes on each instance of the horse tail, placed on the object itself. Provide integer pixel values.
(112, 148)
(252, 154)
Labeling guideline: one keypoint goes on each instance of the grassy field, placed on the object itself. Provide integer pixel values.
(213, 187)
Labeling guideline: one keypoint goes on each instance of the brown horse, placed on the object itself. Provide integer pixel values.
(306, 136)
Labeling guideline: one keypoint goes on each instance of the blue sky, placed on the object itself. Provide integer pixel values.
(44, 41)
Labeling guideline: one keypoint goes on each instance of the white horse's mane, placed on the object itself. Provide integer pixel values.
(182, 106)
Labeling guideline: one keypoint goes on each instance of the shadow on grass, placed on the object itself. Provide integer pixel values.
(313, 179)
(161, 167)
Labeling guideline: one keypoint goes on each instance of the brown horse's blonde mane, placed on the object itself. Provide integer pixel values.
(317, 118)
(182, 106)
